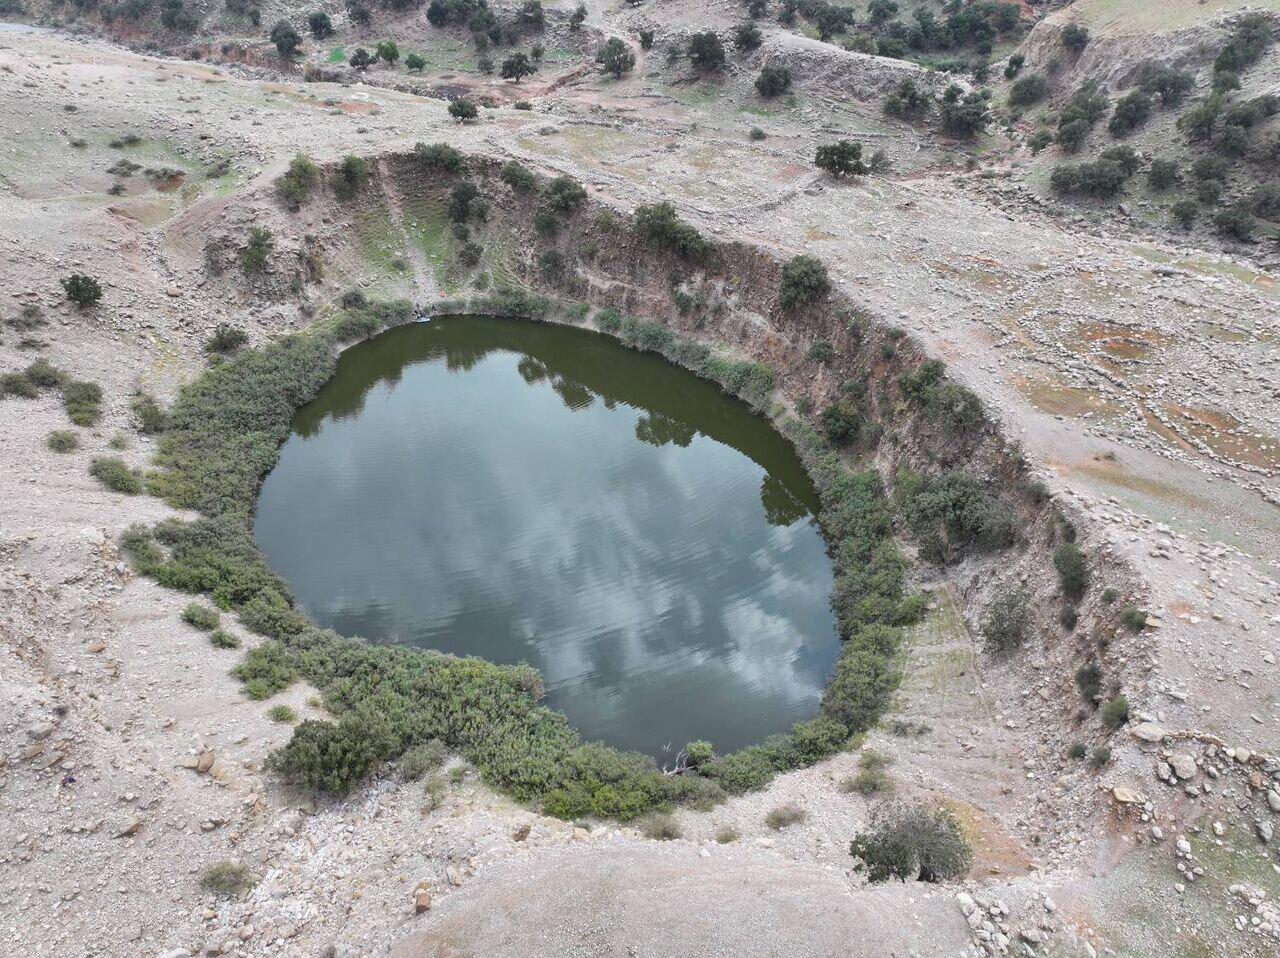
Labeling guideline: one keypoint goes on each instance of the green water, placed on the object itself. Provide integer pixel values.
(538, 493)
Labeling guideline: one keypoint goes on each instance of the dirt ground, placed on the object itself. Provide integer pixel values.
(1140, 377)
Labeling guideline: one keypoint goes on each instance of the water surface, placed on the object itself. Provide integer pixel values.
(537, 493)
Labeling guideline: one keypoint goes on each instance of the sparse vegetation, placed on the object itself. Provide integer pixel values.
(784, 816)
(1007, 621)
(660, 827)
(228, 879)
(282, 713)
(63, 441)
(201, 616)
(116, 475)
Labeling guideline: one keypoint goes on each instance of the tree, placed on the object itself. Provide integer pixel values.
(706, 52)
(1235, 222)
(1131, 112)
(565, 194)
(298, 181)
(773, 81)
(387, 51)
(1027, 90)
(516, 67)
(1075, 37)
(415, 62)
(320, 25)
(747, 36)
(82, 290)
(842, 158)
(531, 15)
(361, 59)
(616, 58)
(804, 279)
(359, 13)
(286, 39)
(1170, 85)
(659, 225)
(463, 110)
(578, 17)
(908, 100)
(881, 11)
(1163, 174)
(964, 114)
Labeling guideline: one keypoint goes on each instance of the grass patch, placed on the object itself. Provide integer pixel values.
(63, 440)
(282, 713)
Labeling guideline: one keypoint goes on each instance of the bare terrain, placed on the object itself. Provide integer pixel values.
(1139, 368)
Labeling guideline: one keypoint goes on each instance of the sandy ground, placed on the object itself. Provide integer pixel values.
(1141, 379)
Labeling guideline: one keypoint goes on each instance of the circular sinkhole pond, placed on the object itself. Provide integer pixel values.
(537, 493)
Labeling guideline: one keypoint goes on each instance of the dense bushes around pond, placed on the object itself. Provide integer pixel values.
(222, 437)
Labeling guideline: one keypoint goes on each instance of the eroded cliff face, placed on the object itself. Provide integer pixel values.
(730, 299)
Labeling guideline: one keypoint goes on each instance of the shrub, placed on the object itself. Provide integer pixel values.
(334, 757)
(1100, 756)
(842, 158)
(870, 780)
(201, 616)
(726, 834)
(82, 290)
(1250, 37)
(821, 352)
(440, 157)
(387, 51)
(115, 474)
(152, 419)
(1089, 681)
(951, 513)
(228, 879)
(83, 402)
(804, 280)
(1133, 618)
(350, 177)
(659, 225)
(295, 185)
(518, 176)
(43, 375)
(222, 639)
(784, 816)
(1184, 213)
(361, 59)
(1073, 570)
(773, 81)
(908, 100)
(564, 194)
(463, 110)
(1077, 751)
(659, 827)
(964, 115)
(415, 62)
(1235, 222)
(63, 440)
(266, 670)
(225, 339)
(1030, 89)
(911, 841)
(285, 38)
(746, 37)
(1068, 617)
(253, 256)
(282, 713)
(1007, 621)
(1163, 174)
(422, 759)
(1100, 178)
(755, 133)
(1116, 712)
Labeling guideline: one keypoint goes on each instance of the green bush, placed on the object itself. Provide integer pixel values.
(228, 879)
(516, 175)
(116, 475)
(911, 841)
(440, 157)
(334, 757)
(266, 670)
(83, 402)
(82, 290)
(152, 418)
(773, 81)
(294, 186)
(804, 280)
(1073, 570)
(1133, 618)
(423, 759)
(63, 440)
(659, 827)
(953, 513)
(1163, 174)
(1007, 621)
(1027, 90)
(222, 639)
(659, 226)
(225, 339)
(1089, 681)
(842, 158)
(201, 616)
(784, 816)
(1077, 751)
(1116, 712)
(282, 713)
(1100, 756)
(1068, 617)
(350, 177)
